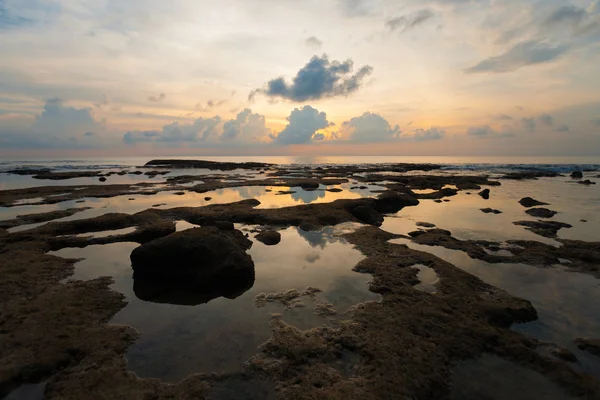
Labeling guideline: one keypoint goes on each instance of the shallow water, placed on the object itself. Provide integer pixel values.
(220, 335)
(564, 300)
(427, 277)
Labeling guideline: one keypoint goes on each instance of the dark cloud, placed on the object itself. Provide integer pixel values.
(319, 136)
(160, 97)
(481, 131)
(563, 128)
(432, 133)
(303, 123)
(520, 55)
(314, 42)
(369, 127)
(246, 125)
(528, 124)
(566, 14)
(409, 21)
(9, 19)
(546, 119)
(318, 79)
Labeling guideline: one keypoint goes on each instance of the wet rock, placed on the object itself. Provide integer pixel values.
(587, 182)
(440, 194)
(222, 225)
(368, 215)
(438, 201)
(392, 202)
(205, 253)
(121, 173)
(335, 190)
(207, 198)
(485, 194)
(212, 165)
(490, 211)
(40, 217)
(57, 176)
(576, 174)
(547, 229)
(28, 171)
(530, 175)
(416, 233)
(541, 212)
(308, 185)
(529, 202)
(563, 354)
(135, 173)
(425, 224)
(325, 309)
(270, 238)
(308, 226)
(284, 192)
(158, 205)
(102, 179)
(179, 193)
(268, 190)
(590, 345)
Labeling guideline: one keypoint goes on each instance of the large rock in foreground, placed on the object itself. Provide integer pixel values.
(199, 252)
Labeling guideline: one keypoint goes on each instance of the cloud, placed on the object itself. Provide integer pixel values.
(175, 132)
(318, 79)
(369, 127)
(528, 124)
(481, 131)
(355, 8)
(566, 14)
(56, 126)
(432, 133)
(546, 119)
(409, 21)
(303, 123)
(319, 136)
(596, 122)
(563, 128)
(521, 55)
(246, 125)
(503, 117)
(160, 97)
(314, 42)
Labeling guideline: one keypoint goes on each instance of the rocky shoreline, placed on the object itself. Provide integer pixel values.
(403, 346)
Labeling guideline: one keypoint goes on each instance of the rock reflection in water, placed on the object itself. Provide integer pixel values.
(222, 334)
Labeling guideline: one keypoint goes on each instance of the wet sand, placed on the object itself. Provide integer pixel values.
(362, 297)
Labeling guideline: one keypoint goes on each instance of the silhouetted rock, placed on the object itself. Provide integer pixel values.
(425, 224)
(491, 211)
(179, 193)
(102, 179)
(576, 174)
(530, 175)
(541, 212)
(529, 202)
(485, 194)
(335, 190)
(547, 229)
(207, 198)
(392, 202)
(212, 165)
(269, 238)
(367, 215)
(587, 182)
(589, 345)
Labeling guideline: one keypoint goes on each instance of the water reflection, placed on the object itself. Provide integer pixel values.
(220, 335)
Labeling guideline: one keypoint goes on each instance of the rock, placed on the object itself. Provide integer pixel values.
(589, 345)
(583, 220)
(131, 199)
(485, 194)
(392, 202)
(308, 226)
(541, 212)
(199, 254)
(136, 173)
(222, 225)
(363, 187)
(268, 190)
(425, 224)
(309, 185)
(563, 354)
(158, 205)
(543, 228)
(587, 182)
(446, 201)
(367, 215)
(438, 201)
(179, 193)
(490, 211)
(529, 202)
(212, 165)
(531, 175)
(335, 190)
(416, 233)
(284, 192)
(576, 174)
(270, 238)
(102, 179)
(121, 173)
(207, 198)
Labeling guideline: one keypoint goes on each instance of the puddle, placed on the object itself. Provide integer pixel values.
(562, 298)
(178, 340)
(184, 225)
(32, 200)
(492, 378)
(104, 234)
(428, 277)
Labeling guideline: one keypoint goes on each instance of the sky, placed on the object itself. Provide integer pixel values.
(285, 77)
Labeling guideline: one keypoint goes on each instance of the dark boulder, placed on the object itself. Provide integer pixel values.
(392, 202)
(309, 185)
(491, 211)
(270, 238)
(199, 254)
(576, 174)
(485, 193)
(587, 182)
(102, 179)
(547, 229)
(590, 345)
(368, 215)
(335, 190)
(425, 224)
(529, 202)
(541, 212)
(207, 198)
